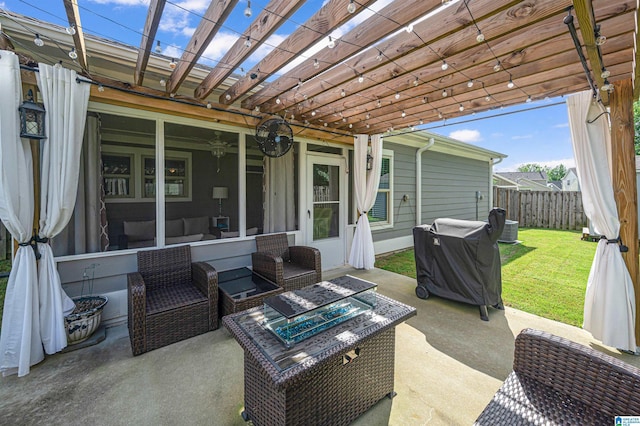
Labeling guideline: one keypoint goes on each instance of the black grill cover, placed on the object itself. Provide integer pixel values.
(460, 259)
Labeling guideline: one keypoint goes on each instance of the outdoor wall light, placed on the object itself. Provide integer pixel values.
(370, 159)
(31, 119)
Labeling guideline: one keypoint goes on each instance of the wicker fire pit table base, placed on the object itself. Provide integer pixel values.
(328, 379)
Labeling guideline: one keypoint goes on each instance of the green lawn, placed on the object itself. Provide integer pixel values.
(546, 274)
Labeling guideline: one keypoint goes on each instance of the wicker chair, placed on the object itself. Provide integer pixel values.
(170, 298)
(288, 267)
(556, 381)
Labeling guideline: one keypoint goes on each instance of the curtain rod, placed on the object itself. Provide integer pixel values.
(185, 102)
(574, 36)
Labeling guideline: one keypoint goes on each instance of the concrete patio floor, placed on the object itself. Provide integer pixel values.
(449, 363)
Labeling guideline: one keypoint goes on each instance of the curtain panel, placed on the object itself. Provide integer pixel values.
(20, 343)
(609, 307)
(65, 101)
(279, 194)
(366, 184)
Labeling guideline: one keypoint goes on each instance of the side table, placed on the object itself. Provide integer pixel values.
(241, 289)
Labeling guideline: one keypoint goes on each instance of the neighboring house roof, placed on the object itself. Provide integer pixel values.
(532, 176)
(556, 184)
(444, 145)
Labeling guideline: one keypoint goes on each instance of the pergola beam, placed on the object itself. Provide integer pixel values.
(208, 27)
(587, 21)
(150, 29)
(73, 16)
(624, 180)
(266, 23)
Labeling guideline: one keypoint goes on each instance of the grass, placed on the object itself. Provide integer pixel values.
(545, 275)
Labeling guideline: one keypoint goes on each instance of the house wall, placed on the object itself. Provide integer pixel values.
(449, 186)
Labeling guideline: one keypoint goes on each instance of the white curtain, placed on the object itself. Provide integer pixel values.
(366, 188)
(609, 307)
(65, 101)
(279, 202)
(20, 344)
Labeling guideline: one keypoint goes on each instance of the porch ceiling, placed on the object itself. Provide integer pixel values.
(387, 72)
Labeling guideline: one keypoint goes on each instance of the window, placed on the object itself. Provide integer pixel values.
(382, 211)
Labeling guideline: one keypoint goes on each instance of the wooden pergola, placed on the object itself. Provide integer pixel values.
(410, 63)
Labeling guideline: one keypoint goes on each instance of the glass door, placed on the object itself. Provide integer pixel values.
(326, 209)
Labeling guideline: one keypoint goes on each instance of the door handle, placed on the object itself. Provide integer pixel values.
(309, 213)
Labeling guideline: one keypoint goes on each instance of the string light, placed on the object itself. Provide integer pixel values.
(343, 93)
(439, 115)
(445, 65)
(444, 93)
(605, 74)
(172, 64)
(461, 108)
(409, 28)
(368, 116)
(529, 99)
(247, 42)
(351, 8)
(257, 108)
(73, 54)
(247, 10)
(403, 115)
(71, 29)
(497, 67)
(158, 47)
(360, 79)
(416, 82)
(425, 100)
(208, 104)
(331, 44)
(378, 104)
(470, 84)
(163, 82)
(480, 37)
(100, 88)
(600, 39)
(368, 126)
(316, 64)
(38, 41)
(227, 97)
(278, 101)
(397, 95)
(487, 98)
(510, 84)
(313, 113)
(421, 122)
(379, 56)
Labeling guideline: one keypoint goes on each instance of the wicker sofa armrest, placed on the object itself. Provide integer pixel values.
(603, 382)
(205, 278)
(269, 266)
(309, 257)
(136, 312)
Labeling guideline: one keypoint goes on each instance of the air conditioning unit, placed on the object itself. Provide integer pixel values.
(510, 232)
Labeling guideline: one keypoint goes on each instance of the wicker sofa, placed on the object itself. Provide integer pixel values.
(556, 381)
(170, 298)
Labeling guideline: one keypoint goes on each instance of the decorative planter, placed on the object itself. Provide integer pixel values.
(85, 318)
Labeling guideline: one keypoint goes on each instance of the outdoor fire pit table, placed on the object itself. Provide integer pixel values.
(331, 377)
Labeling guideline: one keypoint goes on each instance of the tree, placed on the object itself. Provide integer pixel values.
(531, 167)
(553, 173)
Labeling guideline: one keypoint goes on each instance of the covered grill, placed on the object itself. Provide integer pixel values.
(460, 260)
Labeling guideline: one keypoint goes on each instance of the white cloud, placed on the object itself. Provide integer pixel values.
(266, 47)
(466, 135)
(218, 47)
(177, 17)
(519, 137)
(561, 125)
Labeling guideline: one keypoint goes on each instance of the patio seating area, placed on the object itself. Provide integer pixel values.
(449, 364)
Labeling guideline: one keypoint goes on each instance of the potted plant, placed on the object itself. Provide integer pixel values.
(86, 317)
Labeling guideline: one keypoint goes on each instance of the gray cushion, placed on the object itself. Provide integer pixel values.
(174, 228)
(140, 230)
(183, 239)
(196, 225)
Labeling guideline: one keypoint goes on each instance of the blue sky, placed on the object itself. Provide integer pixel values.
(540, 135)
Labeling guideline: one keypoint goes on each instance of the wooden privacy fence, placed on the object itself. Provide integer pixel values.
(542, 209)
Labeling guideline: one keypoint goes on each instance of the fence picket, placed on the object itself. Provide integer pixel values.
(542, 209)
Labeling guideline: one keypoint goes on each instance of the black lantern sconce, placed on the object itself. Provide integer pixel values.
(31, 119)
(369, 160)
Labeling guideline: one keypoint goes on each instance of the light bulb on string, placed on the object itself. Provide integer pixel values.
(247, 42)
(529, 99)
(605, 73)
(316, 64)
(73, 54)
(403, 115)
(38, 41)
(351, 8)
(172, 64)
(360, 78)
(247, 10)
(278, 101)
(343, 93)
(497, 67)
(444, 93)
(510, 84)
(397, 95)
(487, 98)
(416, 82)
(158, 47)
(100, 88)
(209, 105)
(480, 37)
(409, 28)
(71, 29)
(379, 56)
(470, 84)
(163, 82)
(461, 108)
(331, 43)
(444, 65)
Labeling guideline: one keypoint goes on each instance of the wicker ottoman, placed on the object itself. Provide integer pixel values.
(240, 289)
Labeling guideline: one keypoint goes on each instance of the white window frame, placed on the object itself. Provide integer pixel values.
(386, 153)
